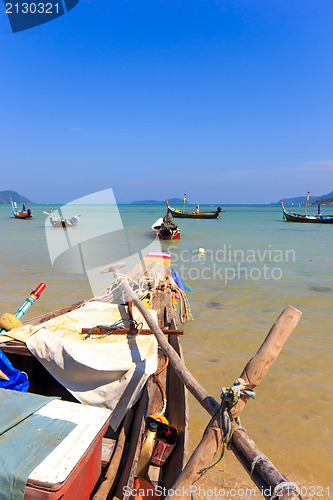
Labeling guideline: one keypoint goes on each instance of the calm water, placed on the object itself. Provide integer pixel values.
(254, 265)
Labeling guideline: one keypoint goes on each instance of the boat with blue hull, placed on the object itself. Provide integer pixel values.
(319, 218)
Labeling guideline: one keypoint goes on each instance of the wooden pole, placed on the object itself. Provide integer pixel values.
(253, 373)
(204, 398)
(306, 204)
(257, 367)
(261, 469)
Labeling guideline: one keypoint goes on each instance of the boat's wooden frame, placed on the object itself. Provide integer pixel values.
(126, 444)
(293, 217)
(177, 380)
(192, 215)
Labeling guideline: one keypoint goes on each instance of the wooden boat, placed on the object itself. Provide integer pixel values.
(292, 217)
(193, 215)
(63, 222)
(21, 214)
(121, 450)
(166, 229)
(127, 451)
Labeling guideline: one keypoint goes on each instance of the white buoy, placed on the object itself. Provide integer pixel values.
(201, 251)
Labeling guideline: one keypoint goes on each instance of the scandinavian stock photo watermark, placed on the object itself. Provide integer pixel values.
(232, 264)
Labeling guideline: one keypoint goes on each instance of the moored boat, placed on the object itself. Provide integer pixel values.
(139, 447)
(160, 402)
(25, 213)
(194, 215)
(166, 229)
(293, 217)
(63, 222)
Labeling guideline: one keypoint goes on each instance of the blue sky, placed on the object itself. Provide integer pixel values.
(230, 101)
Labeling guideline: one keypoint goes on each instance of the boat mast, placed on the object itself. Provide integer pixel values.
(306, 204)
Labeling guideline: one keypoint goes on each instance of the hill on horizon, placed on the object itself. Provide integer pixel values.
(5, 197)
(313, 200)
(172, 201)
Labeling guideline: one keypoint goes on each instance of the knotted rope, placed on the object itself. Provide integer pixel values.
(229, 399)
(121, 323)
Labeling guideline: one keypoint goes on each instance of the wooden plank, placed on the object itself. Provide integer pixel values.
(15, 347)
(108, 446)
(110, 475)
(178, 416)
(46, 317)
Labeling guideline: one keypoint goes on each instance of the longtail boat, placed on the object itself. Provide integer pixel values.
(193, 215)
(25, 213)
(163, 397)
(131, 460)
(166, 229)
(64, 222)
(319, 218)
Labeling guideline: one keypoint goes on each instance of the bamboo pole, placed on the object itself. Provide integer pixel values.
(253, 373)
(261, 468)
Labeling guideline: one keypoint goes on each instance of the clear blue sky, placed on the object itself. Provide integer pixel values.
(230, 101)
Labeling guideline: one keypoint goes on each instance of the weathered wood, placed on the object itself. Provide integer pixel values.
(127, 475)
(204, 398)
(108, 447)
(253, 460)
(204, 454)
(177, 414)
(15, 347)
(269, 350)
(46, 317)
(110, 475)
(128, 331)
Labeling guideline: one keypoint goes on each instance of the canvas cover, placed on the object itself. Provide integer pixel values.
(109, 372)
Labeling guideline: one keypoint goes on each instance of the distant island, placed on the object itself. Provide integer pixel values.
(172, 201)
(6, 195)
(324, 199)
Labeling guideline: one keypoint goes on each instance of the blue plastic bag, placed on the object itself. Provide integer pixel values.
(18, 381)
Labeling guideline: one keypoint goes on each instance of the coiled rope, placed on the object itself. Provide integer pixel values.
(185, 314)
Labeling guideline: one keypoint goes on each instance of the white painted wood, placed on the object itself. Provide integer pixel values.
(63, 459)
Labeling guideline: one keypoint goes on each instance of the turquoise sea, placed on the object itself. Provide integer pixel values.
(254, 264)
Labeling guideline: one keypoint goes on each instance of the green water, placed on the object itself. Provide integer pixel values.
(254, 265)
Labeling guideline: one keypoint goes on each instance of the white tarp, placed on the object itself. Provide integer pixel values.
(109, 372)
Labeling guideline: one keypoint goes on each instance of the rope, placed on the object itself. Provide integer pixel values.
(229, 399)
(282, 486)
(185, 314)
(121, 323)
(256, 460)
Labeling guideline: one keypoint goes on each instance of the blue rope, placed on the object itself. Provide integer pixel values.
(229, 399)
